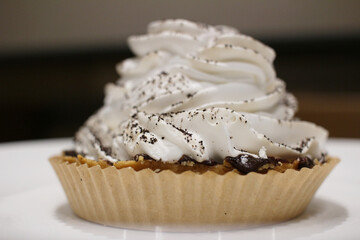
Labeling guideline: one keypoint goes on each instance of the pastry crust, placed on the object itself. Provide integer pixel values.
(145, 198)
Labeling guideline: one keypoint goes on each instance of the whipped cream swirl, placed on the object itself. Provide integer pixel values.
(207, 92)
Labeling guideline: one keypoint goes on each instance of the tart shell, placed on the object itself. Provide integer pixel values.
(146, 199)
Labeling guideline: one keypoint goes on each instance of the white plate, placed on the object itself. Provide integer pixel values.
(33, 204)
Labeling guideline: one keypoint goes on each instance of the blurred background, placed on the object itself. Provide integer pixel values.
(56, 56)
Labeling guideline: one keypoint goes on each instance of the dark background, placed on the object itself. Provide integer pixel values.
(55, 60)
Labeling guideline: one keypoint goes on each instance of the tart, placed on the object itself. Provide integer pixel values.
(199, 130)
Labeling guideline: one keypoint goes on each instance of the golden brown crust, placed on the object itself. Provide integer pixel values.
(157, 166)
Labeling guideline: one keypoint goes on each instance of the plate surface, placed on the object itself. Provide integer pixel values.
(33, 204)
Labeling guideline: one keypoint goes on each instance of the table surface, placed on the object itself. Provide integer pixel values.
(33, 204)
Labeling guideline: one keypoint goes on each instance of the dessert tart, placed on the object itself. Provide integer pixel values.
(198, 130)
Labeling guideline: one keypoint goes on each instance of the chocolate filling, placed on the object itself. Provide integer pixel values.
(70, 153)
(244, 163)
(144, 156)
(305, 162)
(185, 158)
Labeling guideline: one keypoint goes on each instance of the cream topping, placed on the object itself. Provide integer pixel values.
(207, 92)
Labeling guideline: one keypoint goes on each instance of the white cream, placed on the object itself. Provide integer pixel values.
(202, 91)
